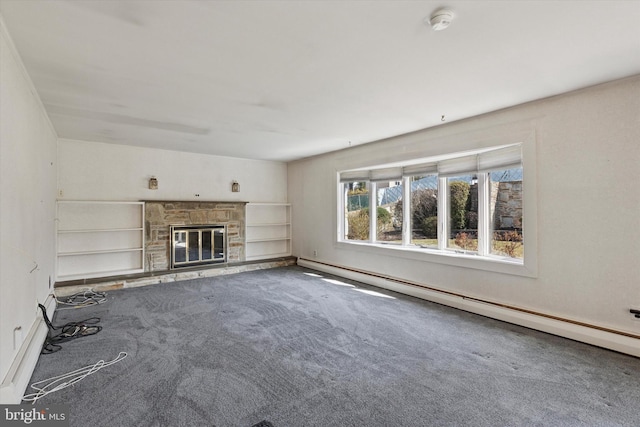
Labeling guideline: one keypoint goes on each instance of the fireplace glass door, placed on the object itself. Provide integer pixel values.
(197, 245)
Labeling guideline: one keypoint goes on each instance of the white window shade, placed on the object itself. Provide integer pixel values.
(459, 166)
(421, 169)
(503, 158)
(386, 174)
(350, 176)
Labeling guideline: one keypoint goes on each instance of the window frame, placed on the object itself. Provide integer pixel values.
(483, 259)
(343, 195)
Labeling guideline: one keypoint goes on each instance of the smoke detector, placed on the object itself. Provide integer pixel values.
(440, 19)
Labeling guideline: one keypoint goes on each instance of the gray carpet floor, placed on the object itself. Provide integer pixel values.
(295, 349)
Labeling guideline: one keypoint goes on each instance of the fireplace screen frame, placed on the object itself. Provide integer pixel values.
(197, 253)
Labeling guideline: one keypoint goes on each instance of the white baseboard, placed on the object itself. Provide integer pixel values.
(17, 379)
(553, 325)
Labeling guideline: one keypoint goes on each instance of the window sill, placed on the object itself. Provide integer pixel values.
(464, 260)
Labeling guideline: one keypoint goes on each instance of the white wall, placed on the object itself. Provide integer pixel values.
(586, 158)
(99, 171)
(27, 209)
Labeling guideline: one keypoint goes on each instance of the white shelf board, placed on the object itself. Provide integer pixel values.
(269, 239)
(269, 255)
(99, 230)
(105, 251)
(95, 274)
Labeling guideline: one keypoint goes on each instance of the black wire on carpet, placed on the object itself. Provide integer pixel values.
(69, 331)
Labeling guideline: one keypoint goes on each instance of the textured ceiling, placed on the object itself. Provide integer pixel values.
(281, 80)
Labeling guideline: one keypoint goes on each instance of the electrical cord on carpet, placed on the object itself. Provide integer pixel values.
(82, 299)
(67, 332)
(60, 382)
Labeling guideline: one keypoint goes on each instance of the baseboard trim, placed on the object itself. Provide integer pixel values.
(620, 341)
(17, 379)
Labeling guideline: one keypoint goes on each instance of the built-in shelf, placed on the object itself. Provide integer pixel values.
(268, 224)
(98, 239)
(270, 239)
(97, 230)
(106, 251)
(268, 230)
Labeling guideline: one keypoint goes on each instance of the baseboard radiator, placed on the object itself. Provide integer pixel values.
(17, 379)
(620, 341)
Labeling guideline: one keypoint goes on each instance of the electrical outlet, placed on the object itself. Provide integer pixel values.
(60, 193)
(315, 253)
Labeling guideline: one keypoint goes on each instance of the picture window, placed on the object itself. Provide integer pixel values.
(467, 204)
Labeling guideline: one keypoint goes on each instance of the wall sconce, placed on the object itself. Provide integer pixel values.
(235, 187)
(153, 183)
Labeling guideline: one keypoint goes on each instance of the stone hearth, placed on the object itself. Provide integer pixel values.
(159, 215)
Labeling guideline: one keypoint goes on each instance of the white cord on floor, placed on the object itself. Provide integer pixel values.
(82, 299)
(65, 380)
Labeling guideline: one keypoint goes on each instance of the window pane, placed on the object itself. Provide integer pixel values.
(505, 205)
(207, 253)
(389, 224)
(218, 244)
(194, 246)
(180, 246)
(356, 219)
(424, 211)
(463, 213)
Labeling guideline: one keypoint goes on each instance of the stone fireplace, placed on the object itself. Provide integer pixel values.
(193, 245)
(161, 217)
